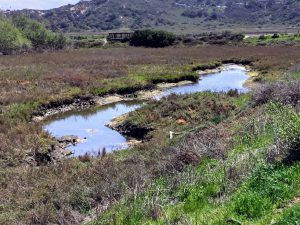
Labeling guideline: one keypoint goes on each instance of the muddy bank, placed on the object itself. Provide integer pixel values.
(56, 107)
(54, 152)
(128, 130)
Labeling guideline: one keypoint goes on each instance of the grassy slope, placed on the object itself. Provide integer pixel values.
(248, 185)
(66, 192)
(134, 14)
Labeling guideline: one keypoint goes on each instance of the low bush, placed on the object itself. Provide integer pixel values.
(262, 37)
(274, 36)
(286, 132)
(283, 92)
(152, 38)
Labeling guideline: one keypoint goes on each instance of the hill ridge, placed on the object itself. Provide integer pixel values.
(178, 15)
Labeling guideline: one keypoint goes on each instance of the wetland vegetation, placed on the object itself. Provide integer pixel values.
(233, 160)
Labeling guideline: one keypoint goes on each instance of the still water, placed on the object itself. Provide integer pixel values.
(89, 124)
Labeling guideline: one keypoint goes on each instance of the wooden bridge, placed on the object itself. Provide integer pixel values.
(120, 36)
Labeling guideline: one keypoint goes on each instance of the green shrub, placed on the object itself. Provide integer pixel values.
(268, 186)
(21, 111)
(262, 37)
(152, 38)
(55, 41)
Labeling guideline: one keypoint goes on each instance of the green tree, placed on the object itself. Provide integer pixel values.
(11, 38)
(38, 34)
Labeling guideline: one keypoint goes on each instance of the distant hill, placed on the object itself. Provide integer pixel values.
(176, 15)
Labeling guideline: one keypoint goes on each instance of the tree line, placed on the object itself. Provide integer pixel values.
(22, 33)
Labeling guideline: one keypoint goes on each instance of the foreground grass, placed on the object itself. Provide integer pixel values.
(241, 188)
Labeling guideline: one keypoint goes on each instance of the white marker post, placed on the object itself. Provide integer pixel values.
(171, 135)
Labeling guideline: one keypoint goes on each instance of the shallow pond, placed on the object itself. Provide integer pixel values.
(90, 124)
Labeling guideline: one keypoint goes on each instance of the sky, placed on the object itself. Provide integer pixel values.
(34, 4)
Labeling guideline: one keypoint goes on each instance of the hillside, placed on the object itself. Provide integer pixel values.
(177, 15)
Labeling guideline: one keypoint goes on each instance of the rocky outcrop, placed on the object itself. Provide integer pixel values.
(57, 107)
(133, 131)
(127, 129)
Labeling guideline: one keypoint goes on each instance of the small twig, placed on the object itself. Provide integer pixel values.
(232, 220)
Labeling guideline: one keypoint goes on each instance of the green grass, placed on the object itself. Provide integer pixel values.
(268, 187)
(162, 73)
(86, 41)
(21, 112)
(290, 216)
(295, 75)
